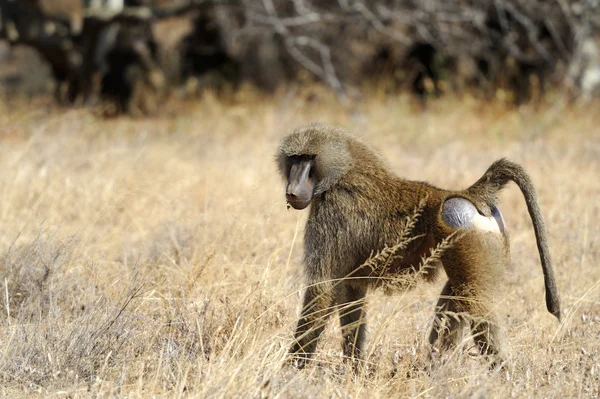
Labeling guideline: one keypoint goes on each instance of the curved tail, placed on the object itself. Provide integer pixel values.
(487, 187)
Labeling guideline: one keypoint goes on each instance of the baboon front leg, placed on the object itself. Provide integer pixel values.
(447, 327)
(351, 303)
(316, 309)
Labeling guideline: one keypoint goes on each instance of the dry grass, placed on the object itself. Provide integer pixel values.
(156, 257)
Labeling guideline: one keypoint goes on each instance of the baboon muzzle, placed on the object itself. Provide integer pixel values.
(299, 190)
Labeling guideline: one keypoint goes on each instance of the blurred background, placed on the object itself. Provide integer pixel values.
(129, 56)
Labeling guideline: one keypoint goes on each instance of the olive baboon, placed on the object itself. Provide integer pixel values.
(359, 207)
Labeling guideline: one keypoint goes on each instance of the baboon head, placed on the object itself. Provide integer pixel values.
(312, 160)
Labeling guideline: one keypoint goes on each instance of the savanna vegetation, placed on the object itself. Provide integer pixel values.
(156, 257)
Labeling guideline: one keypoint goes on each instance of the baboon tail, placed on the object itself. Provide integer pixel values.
(487, 188)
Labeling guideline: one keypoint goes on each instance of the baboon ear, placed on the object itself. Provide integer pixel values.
(332, 162)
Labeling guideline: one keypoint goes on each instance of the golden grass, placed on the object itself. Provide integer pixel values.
(156, 257)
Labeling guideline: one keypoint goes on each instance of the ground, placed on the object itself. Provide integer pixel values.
(156, 257)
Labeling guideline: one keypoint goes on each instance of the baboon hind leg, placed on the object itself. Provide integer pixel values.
(454, 311)
(489, 337)
(475, 266)
(447, 325)
(316, 309)
(473, 294)
(351, 301)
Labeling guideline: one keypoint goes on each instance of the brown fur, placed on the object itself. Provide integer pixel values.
(358, 208)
